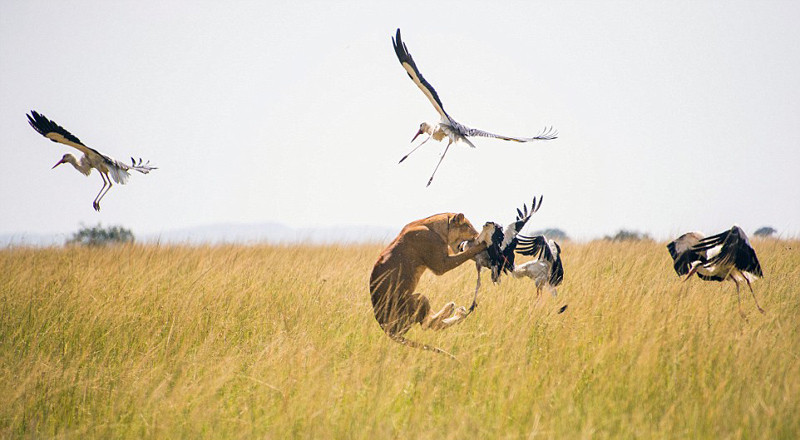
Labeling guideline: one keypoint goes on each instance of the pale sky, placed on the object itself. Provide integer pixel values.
(673, 116)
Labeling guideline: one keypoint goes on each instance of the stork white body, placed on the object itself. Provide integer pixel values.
(447, 127)
(108, 168)
(539, 272)
(546, 270)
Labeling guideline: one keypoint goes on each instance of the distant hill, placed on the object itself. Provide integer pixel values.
(273, 233)
(28, 239)
(276, 233)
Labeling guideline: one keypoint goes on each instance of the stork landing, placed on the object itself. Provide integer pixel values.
(108, 168)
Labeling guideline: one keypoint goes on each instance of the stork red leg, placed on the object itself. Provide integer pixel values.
(754, 296)
(414, 149)
(96, 202)
(739, 298)
(477, 287)
(101, 194)
(439, 163)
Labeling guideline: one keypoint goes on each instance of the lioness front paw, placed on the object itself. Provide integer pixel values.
(461, 312)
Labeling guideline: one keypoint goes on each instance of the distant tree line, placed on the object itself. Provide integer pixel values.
(551, 233)
(765, 231)
(100, 236)
(626, 235)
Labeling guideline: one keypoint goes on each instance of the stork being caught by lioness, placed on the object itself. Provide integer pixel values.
(499, 255)
(447, 126)
(108, 168)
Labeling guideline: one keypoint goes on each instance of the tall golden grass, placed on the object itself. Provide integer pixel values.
(275, 342)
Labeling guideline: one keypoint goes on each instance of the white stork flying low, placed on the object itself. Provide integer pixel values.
(724, 256)
(448, 127)
(107, 167)
(546, 270)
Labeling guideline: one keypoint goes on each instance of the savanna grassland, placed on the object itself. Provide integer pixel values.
(280, 342)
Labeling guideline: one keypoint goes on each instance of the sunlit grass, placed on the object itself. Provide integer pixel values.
(271, 341)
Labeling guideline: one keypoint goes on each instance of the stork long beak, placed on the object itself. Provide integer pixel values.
(691, 272)
(58, 163)
(418, 133)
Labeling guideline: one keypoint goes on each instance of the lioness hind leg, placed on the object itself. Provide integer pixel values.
(434, 321)
(444, 320)
(459, 314)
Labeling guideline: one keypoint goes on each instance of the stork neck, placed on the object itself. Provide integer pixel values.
(83, 165)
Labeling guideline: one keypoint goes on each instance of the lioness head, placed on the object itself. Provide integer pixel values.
(459, 229)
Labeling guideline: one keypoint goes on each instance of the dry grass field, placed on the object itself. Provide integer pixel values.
(280, 342)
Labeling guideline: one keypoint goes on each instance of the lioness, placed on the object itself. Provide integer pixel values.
(423, 244)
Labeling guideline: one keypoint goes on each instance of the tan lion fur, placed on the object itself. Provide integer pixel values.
(423, 244)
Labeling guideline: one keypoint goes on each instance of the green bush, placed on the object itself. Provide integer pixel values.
(764, 232)
(100, 236)
(552, 233)
(625, 235)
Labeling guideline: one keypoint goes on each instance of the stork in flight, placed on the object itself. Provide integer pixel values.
(447, 126)
(724, 256)
(107, 167)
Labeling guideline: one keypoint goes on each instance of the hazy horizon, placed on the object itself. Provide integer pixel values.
(272, 233)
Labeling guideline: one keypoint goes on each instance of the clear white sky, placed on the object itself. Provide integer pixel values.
(673, 116)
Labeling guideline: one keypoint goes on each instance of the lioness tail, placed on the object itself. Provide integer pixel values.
(415, 344)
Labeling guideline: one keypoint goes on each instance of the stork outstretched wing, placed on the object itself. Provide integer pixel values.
(557, 274)
(735, 250)
(511, 231)
(682, 252)
(501, 252)
(413, 72)
(547, 134)
(57, 133)
(532, 246)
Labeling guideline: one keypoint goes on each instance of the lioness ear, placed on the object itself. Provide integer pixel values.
(459, 218)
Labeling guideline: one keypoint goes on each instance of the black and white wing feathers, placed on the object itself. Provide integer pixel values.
(543, 250)
(735, 251)
(511, 231)
(532, 246)
(501, 252)
(57, 133)
(547, 134)
(141, 166)
(413, 72)
(682, 252)
(557, 272)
